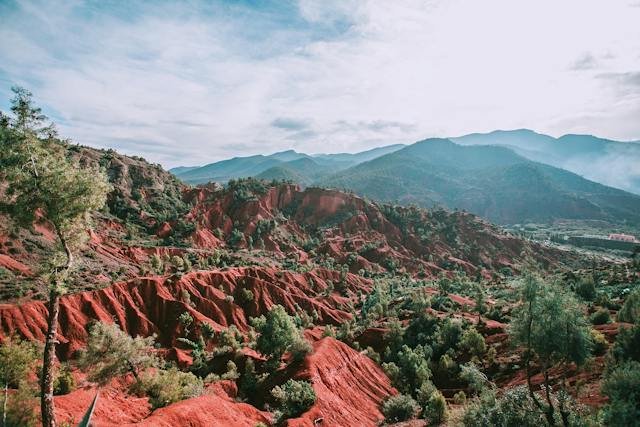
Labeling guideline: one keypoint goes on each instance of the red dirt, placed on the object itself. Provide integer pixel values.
(151, 305)
(115, 406)
(349, 387)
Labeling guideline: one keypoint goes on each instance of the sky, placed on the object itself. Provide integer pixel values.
(189, 83)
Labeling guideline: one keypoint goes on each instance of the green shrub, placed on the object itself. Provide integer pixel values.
(436, 409)
(601, 317)
(293, 398)
(64, 382)
(622, 386)
(513, 408)
(586, 288)
(473, 342)
(460, 398)
(627, 344)
(111, 352)
(278, 334)
(630, 311)
(165, 387)
(17, 360)
(599, 342)
(398, 408)
(21, 406)
(246, 296)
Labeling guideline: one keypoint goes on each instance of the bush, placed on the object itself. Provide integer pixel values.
(513, 408)
(460, 398)
(17, 360)
(278, 334)
(21, 407)
(599, 342)
(111, 352)
(436, 409)
(627, 344)
(293, 398)
(409, 370)
(601, 317)
(622, 386)
(630, 311)
(400, 407)
(586, 288)
(169, 386)
(473, 342)
(64, 382)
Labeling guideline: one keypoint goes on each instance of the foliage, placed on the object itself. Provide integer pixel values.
(398, 408)
(21, 407)
(473, 342)
(551, 326)
(627, 345)
(409, 369)
(622, 386)
(436, 409)
(477, 381)
(165, 387)
(293, 397)
(278, 334)
(17, 359)
(64, 382)
(586, 288)
(601, 317)
(111, 352)
(513, 408)
(630, 311)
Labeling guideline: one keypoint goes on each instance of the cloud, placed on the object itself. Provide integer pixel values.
(288, 123)
(194, 82)
(585, 62)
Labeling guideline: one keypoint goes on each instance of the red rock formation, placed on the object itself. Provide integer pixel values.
(151, 305)
(349, 387)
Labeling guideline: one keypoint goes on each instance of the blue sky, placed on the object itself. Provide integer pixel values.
(185, 83)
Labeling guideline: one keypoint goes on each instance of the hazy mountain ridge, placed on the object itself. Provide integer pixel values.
(609, 162)
(491, 181)
(242, 167)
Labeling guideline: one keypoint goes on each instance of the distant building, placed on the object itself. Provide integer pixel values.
(622, 237)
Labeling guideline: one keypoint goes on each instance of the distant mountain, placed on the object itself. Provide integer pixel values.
(491, 181)
(182, 169)
(608, 162)
(283, 164)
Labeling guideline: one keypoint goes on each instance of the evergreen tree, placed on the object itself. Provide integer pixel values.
(44, 184)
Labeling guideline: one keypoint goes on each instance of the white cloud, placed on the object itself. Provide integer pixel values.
(192, 83)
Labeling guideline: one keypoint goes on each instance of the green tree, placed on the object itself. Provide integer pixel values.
(278, 334)
(293, 397)
(630, 311)
(553, 329)
(398, 408)
(112, 352)
(17, 359)
(43, 181)
(622, 387)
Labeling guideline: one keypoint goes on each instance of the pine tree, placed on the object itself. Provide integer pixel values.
(45, 185)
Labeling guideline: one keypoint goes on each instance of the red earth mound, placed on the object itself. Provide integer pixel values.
(115, 407)
(151, 305)
(349, 387)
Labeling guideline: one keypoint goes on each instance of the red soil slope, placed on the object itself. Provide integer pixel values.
(151, 305)
(349, 387)
(115, 407)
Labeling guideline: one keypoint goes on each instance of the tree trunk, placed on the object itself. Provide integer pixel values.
(48, 376)
(4, 404)
(46, 388)
(550, 409)
(528, 358)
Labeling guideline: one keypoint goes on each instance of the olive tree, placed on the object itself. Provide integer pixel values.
(552, 328)
(45, 184)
